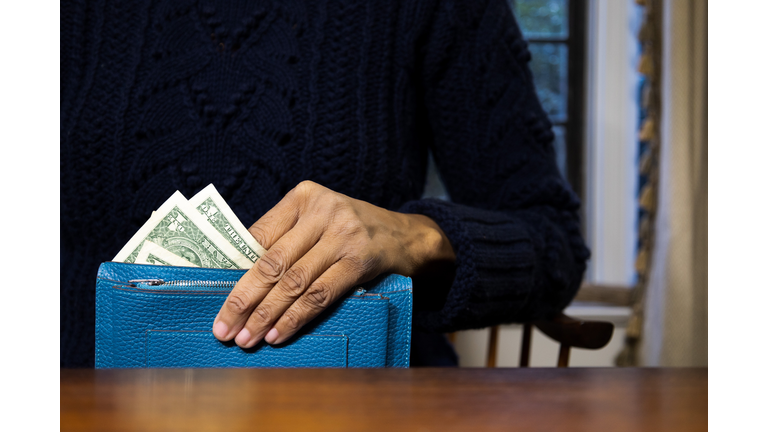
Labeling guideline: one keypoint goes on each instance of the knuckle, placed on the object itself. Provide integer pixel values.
(262, 314)
(292, 319)
(238, 303)
(319, 295)
(305, 187)
(258, 233)
(294, 281)
(271, 264)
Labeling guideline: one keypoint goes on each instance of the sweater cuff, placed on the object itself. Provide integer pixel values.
(494, 266)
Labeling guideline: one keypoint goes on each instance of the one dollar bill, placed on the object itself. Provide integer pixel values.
(178, 228)
(216, 211)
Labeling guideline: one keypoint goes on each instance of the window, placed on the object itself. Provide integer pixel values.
(555, 33)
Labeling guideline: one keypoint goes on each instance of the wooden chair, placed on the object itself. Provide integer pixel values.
(569, 332)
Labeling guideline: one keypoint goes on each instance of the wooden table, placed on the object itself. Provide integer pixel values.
(384, 399)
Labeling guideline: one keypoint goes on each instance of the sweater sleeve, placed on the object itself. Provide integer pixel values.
(513, 219)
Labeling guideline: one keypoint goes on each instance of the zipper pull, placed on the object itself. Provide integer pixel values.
(150, 282)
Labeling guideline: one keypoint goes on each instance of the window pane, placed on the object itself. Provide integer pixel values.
(542, 19)
(549, 64)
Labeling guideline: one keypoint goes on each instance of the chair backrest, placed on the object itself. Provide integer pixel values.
(569, 332)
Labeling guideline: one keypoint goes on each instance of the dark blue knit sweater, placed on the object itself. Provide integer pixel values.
(256, 96)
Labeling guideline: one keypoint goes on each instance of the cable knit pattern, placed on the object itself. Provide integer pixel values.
(158, 96)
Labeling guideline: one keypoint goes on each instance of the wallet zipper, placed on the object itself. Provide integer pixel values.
(174, 284)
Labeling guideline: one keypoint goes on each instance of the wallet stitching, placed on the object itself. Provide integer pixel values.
(394, 292)
(407, 354)
(111, 280)
(410, 327)
(179, 294)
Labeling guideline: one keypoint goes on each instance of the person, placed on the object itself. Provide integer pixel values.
(314, 119)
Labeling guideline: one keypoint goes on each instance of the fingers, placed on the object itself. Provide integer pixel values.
(277, 221)
(254, 286)
(323, 292)
(291, 286)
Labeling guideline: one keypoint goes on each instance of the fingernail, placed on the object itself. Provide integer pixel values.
(243, 337)
(271, 337)
(220, 330)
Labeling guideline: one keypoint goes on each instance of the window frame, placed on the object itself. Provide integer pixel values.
(575, 41)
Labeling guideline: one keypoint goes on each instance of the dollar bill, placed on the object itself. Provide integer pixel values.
(218, 213)
(178, 228)
(152, 253)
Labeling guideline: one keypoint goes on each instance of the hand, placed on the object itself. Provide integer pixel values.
(321, 244)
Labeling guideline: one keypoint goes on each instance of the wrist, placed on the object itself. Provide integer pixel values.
(427, 246)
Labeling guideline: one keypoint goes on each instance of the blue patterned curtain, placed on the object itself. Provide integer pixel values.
(648, 170)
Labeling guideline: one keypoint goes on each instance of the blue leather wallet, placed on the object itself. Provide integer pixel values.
(161, 316)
